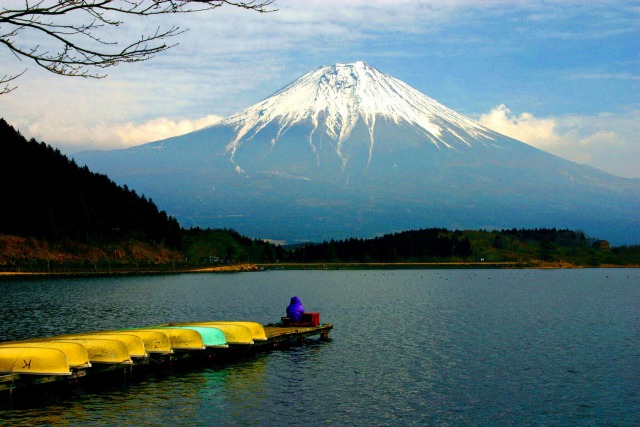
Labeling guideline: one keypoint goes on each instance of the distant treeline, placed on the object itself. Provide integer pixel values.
(404, 246)
(526, 246)
(47, 196)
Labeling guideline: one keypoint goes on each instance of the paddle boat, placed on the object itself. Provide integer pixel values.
(33, 361)
(101, 350)
(134, 344)
(77, 356)
(180, 339)
(155, 342)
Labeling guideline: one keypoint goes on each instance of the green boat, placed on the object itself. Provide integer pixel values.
(234, 334)
(256, 329)
(211, 337)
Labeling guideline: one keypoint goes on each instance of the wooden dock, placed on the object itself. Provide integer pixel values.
(280, 334)
(278, 337)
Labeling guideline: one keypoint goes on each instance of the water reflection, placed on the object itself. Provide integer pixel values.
(206, 396)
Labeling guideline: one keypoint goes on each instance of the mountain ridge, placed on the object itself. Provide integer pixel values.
(325, 157)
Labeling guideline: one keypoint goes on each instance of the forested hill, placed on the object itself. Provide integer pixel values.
(47, 196)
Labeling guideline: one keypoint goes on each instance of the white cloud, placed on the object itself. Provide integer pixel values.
(525, 127)
(154, 130)
(605, 141)
(76, 137)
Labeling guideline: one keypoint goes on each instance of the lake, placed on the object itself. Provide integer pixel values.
(409, 347)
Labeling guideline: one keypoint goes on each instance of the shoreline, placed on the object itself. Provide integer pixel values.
(250, 267)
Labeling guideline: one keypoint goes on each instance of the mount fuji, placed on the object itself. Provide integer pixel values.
(347, 151)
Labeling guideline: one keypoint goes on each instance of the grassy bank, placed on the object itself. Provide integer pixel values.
(204, 251)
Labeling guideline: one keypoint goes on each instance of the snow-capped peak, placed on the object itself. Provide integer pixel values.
(335, 98)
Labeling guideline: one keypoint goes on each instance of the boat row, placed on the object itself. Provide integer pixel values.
(64, 355)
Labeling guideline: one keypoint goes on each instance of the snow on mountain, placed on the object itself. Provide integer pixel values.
(347, 151)
(335, 98)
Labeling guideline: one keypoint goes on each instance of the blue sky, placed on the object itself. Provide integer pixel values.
(563, 76)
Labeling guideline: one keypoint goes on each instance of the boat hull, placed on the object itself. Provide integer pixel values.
(33, 361)
(180, 339)
(155, 342)
(134, 344)
(102, 350)
(77, 356)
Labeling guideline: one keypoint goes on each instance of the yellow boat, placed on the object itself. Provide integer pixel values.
(180, 339)
(77, 356)
(233, 334)
(256, 329)
(102, 350)
(33, 361)
(155, 342)
(134, 344)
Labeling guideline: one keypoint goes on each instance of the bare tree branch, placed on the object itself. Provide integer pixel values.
(75, 30)
(5, 80)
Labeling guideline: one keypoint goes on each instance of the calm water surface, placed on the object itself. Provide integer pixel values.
(421, 347)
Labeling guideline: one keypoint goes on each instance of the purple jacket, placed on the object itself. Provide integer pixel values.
(295, 309)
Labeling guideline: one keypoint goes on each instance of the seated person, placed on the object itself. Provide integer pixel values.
(295, 310)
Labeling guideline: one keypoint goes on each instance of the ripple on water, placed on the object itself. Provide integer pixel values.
(452, 347)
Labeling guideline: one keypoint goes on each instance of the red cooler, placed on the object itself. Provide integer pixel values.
(311, 317)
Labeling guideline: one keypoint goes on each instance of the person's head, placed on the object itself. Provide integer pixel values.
(295, 300)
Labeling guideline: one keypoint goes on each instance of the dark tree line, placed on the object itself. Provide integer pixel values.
(48, 196)
(552, 235)
(413, 245)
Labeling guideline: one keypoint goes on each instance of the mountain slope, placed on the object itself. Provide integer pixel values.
(335, 100)
(346, 150)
